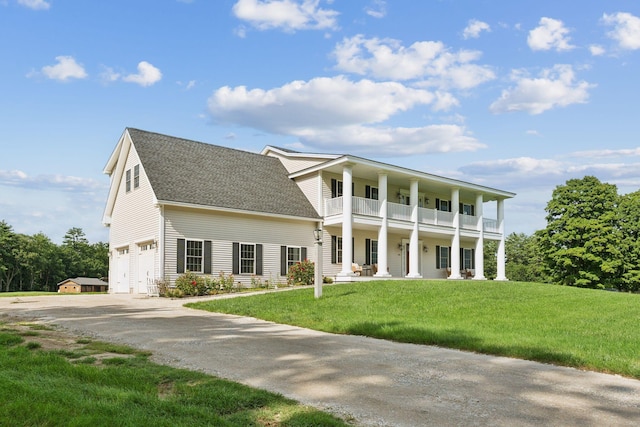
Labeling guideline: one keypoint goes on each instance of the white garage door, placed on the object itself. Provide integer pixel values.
(122, 273)
(145, 266)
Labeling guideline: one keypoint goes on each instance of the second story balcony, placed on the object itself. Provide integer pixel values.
(399, 212)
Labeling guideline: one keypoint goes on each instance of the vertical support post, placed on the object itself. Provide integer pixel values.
(455, 240)
(318, 236)
(501, 244)
(414, 252)
(383, 250)
(479, 273)
(347, 220)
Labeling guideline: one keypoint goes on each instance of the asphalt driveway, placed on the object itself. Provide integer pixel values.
(375, 382)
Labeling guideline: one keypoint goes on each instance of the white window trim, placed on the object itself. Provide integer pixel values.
(292, 262)
(186, 255)
(253, 268)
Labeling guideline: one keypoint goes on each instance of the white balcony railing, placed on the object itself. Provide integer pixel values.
(491, 225)
(469, 222)
(396, 211)
(333, 206)
(369, 207)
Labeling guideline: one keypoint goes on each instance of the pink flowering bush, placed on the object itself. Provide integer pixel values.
(190, 284)
(301, 273)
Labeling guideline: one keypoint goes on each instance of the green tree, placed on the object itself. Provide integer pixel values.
(629, 223)
(580, 244)
(8, 256)
(490, 260)
(523, 262)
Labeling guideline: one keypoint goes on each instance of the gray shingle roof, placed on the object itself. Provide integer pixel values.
(186, 171)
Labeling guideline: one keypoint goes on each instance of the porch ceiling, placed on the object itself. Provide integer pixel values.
(398, 176)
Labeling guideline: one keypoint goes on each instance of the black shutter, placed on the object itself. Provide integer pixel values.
(283, 261)
(367, 191)
(258, 260)
(438, 204)
(334, 247)
(303, 254)
(473, 210)
(181, 251)
(235, 268)
(353, 252)
(353, 188)
(367, 251)
(473, 259)
(438, 257)
(461, 208)
(207, 257)
(449, 205)
(449, 260)
(461, 259)
(334, 188)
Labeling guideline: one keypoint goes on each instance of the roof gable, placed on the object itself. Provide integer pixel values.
(195, 173)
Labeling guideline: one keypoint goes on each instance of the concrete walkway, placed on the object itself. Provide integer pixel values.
(375, 382)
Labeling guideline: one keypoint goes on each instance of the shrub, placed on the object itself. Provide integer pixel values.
(163, 287)
(301, 273)
(326, 279)
(225, 282)
(192, 285)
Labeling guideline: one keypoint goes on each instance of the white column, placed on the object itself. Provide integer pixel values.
(383, 250)
(455, 241)
(479, 273)
(501, 244)
(414, 250)
(347, 220)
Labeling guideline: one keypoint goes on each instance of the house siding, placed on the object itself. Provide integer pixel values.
(295, 165)
(309, 186)
(134, 220)
(225, 228)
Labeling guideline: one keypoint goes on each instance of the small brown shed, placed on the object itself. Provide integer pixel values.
(82, 284)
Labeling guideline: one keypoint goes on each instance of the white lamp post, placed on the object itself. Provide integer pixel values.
(317, 235)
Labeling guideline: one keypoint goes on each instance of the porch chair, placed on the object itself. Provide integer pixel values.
(357, 270)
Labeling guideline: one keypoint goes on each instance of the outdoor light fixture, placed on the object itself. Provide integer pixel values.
(317, 234)
(425, 248)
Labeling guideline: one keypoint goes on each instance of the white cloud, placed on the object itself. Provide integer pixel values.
(319, 102)
(597, 50)
(389, 141)
(17, 178)
(550, 34)
(626, 29)
(66, 68)
(147, 75)
(427, 60)
(555, 87)
(108, 75)
(475, 27)
(35, 4)
(533, 132)
(288, 15)
(326, 112)
(377, 9)
(598, 154)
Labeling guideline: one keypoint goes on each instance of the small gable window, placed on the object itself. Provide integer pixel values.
(128, 180)
(136, 176)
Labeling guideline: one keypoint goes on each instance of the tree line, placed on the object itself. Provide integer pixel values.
(591, 240)
(35, 263)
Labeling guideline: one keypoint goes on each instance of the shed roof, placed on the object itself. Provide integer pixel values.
(196, 173)
(85, 281)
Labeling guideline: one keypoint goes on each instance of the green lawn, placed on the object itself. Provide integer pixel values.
(73, 387)
(582, 328)
(28, 294)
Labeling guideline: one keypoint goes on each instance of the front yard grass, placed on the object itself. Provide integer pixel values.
(46, 379)
(581, 328)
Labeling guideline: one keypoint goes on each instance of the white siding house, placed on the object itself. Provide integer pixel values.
(176, 205)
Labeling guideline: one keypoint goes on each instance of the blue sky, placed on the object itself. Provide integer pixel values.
(515, 95)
